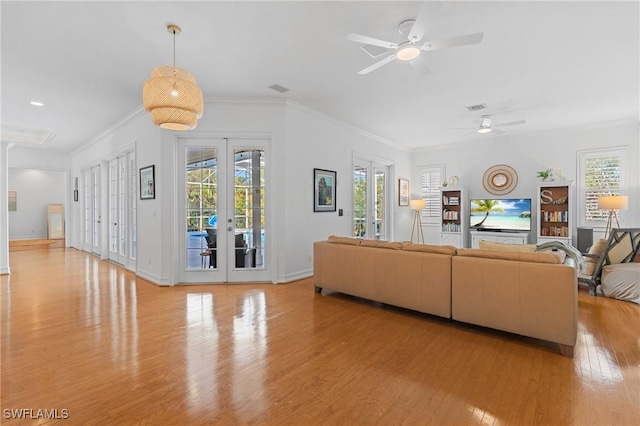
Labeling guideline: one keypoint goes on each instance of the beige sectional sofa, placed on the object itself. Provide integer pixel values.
(531, 294)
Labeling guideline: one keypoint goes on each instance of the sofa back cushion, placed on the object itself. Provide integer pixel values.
(428, 248)
(538, 257)
(493, 245)
(381, 244)
(344, 240)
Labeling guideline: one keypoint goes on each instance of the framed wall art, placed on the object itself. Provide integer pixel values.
(147, 183)
(403, 192)
(324, 190)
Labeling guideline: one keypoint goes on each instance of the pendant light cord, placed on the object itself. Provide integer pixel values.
(174, 48)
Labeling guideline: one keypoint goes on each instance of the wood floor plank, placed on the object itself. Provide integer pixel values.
(87, 336)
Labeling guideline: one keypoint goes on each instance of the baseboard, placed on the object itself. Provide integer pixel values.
(153, 279)
(295, 276)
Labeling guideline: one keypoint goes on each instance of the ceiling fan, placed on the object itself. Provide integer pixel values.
(413, 30)
(487, 126)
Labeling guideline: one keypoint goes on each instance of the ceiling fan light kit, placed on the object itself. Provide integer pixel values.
(172, 96)
(408, 52)
(413, 30)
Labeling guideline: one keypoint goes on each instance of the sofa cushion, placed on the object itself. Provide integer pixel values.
(538, 257)
(381, 244)
(493, 245)
(344, 240)
(428, 248)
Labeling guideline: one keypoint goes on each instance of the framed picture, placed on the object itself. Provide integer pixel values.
(147, 183)
(324, 190)
(403, 192)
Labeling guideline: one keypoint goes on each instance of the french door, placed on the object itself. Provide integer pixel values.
(224, 210)
(121, 208)
(92, 213)
(371, 218)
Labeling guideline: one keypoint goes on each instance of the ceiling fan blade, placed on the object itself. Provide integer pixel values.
(453, 41)
(420, 26)
(420, 64)
(497, 131)
(377, 64)
(464, 128)
(372, 41)
(511, 123)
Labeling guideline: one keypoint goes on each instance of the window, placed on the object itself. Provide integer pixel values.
(431, 178)
(600, 172)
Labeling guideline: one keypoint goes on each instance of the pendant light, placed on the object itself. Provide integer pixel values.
(172, 96)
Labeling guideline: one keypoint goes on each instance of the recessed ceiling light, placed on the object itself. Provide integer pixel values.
(36, 103)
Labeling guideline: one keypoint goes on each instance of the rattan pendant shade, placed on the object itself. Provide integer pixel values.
(172, 96)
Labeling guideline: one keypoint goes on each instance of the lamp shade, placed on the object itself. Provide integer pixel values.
(173, 98)
(417, 204)
(613, 202)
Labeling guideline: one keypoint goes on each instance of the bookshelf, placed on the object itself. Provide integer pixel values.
(454, 218)
(555, 211)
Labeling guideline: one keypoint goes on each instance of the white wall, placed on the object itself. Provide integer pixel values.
(301, 139)
(36, 189)
(533, 152)
(313, 140)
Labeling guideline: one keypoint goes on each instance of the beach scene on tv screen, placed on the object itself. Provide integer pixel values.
(508, 214)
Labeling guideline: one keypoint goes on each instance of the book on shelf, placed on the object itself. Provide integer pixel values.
(450, 201)
(555, 231)
(450, 215)
(451, 227)
(559, 216)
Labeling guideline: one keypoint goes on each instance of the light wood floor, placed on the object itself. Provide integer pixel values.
(86, 336)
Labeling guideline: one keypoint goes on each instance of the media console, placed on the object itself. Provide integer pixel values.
(499, 237)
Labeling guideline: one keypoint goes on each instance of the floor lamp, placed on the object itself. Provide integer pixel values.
(417, 206)
(613, 203)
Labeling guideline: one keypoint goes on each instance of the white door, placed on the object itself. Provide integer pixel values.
(121, 211)
(224, 210)
(117, 210)
(370, 200)
(91, 209)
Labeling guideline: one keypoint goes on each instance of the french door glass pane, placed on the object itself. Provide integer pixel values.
(201, 207)
(113, 206)
(122, 207)
(359, 201)
(249, 207)
(133, 194)
(380, 203)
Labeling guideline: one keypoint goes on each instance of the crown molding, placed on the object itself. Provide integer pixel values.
(632, 121)
(334, 120)
(122, 122)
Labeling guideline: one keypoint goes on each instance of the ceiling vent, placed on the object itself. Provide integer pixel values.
(278, 88)
(478, 107)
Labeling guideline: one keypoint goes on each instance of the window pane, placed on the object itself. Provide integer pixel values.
(431, 181)
(602, 176)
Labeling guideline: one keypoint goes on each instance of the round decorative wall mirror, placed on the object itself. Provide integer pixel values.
(500, 179)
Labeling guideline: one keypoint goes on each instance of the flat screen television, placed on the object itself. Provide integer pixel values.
(504, 214)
